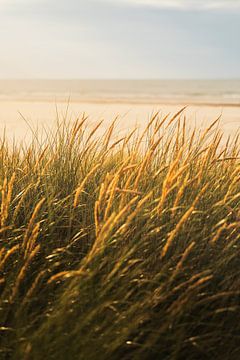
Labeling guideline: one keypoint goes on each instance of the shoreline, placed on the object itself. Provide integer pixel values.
(127, 101)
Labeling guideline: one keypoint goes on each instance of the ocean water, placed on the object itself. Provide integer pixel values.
(202, 92)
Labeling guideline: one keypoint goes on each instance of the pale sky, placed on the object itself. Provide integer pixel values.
(120, 39)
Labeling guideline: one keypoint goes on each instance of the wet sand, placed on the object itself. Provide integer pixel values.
(44, 113)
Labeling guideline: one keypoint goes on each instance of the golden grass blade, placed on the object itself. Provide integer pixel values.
(31, 223)
(182, 221)
(22, 272)
(79, 190)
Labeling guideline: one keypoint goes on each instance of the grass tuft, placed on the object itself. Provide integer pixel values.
(120, 248)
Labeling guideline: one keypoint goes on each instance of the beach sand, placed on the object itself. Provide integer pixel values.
(44, 113)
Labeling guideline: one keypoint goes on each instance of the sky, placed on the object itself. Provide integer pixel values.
(120, 39)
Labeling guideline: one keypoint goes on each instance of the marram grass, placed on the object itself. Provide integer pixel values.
(120, 248)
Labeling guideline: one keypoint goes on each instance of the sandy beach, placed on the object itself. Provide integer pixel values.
(44, 113)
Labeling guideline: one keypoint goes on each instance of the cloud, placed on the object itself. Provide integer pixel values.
(164, 4)
(18, 3)
(182, 4)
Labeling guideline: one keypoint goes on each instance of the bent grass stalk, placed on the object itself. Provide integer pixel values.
(182, 221)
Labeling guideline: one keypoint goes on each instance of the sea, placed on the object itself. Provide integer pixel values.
(208, 92)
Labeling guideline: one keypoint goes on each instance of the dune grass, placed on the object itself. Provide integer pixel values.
(120, 248)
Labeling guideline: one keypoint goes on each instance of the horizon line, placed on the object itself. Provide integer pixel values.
(119, 79)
